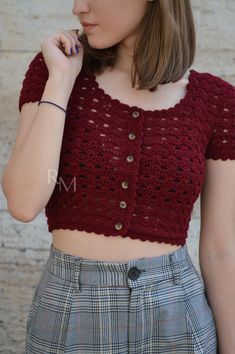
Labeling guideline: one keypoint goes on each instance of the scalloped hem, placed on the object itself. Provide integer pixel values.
(223, 158)
(141, 237)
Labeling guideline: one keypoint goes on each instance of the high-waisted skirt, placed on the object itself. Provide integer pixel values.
(144, 306)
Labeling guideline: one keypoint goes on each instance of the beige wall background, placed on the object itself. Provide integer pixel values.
(24, 247)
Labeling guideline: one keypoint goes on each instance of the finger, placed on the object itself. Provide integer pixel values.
(71, 34)
(74, 39)
(76, 32)
(70, 43)
(75, 35)
(65, 42)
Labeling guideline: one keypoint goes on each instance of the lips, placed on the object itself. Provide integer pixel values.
(89, 28)
(88, 24)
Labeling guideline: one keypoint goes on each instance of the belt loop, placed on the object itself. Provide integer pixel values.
(76, 275)
(175, 269)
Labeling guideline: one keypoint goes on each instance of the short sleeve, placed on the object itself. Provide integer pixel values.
(34, 81)
(222, 142)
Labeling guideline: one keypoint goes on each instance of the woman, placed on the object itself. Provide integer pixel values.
(116, 139)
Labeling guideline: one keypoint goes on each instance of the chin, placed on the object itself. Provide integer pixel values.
(97, 45)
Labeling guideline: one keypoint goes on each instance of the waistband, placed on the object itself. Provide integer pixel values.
(136, 272)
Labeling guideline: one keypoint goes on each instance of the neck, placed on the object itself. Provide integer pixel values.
(125, 56)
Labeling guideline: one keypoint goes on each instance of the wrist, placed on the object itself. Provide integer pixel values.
(63, 82)
(58, 90)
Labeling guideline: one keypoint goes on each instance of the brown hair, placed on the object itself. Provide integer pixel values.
(164, 47)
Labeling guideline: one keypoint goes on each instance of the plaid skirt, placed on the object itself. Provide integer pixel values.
(143, 306)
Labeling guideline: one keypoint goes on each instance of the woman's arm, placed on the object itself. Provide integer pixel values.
(26, 180)
(217, 248)
(218, 273)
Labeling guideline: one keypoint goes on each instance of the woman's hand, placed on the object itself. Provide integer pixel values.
(57, 55)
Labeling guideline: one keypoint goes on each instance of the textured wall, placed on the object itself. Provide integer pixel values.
(24, 247)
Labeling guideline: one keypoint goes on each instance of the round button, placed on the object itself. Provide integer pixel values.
(122, 204)
(118, 226)
(130, 158)
(132, 136)
(135, 114)
(134, 273)
(125, 184)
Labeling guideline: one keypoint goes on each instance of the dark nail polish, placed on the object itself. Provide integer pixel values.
(71, 51)
(77, 49)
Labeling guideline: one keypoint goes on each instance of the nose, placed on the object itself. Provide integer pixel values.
(80, 6)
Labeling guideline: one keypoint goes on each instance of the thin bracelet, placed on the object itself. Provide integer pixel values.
(53, 104)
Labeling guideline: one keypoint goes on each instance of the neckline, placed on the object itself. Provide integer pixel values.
(117, 103)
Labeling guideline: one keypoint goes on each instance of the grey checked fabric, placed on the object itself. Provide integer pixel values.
(145, 306)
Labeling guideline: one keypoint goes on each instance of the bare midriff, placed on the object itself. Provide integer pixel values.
(118, 248)
(107, 248)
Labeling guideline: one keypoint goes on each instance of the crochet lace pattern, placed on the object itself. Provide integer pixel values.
(132, 172)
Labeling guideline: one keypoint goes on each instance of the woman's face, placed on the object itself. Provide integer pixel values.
(116, 20)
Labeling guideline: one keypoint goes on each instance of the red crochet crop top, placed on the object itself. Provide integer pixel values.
(133, 172)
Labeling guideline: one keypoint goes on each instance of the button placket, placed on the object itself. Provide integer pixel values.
(130, 158)
(132, 136)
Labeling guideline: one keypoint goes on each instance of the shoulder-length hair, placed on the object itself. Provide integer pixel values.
(164, 48)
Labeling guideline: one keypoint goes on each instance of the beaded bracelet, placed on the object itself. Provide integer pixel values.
(53, 104)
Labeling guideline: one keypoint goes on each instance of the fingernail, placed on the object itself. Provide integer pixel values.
(71, 51)
(77, 49)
